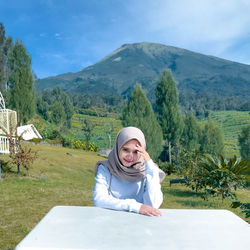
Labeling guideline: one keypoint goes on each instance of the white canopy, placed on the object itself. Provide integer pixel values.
(28, 132)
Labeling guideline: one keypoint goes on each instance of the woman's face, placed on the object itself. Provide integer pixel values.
(129, 153)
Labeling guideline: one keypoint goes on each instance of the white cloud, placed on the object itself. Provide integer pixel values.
(196, 23)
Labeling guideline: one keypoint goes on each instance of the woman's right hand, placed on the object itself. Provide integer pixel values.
(149, 211)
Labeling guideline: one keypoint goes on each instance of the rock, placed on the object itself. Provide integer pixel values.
(104, 152)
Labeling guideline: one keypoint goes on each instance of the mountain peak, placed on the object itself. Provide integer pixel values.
(144, 62)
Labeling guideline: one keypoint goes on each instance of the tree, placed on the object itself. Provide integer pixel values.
(21, 83)
(191, 133)
(57, 115)
(42, 107)
(211, 139)
(88, 128)
(5, 44)
(109, 130)
(139, 113)
(168, 111)
(59, 96)
(68, 109)
(244, 141)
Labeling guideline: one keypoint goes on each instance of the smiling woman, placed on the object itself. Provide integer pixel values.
(129, 180)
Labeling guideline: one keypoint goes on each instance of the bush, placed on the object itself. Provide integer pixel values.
(78, 144)
(92, 147)
(166, 167)
(35, 140)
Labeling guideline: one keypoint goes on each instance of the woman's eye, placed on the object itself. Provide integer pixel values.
(125, 149)
(136, 151)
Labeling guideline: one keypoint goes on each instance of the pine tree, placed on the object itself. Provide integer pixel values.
(2, 58)
(21, 83)
(138, 112)
(168, 111)
(244, 141)
(211, 139)
(5, 44)
(57, 115)
(191, 133)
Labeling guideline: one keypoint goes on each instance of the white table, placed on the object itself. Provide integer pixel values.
(69, 227)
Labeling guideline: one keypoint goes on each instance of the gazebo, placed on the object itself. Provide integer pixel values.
(8, 122)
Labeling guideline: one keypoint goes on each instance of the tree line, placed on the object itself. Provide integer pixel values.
(167, 124)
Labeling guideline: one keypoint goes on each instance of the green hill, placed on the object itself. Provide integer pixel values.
(231, 123)
(143, 62)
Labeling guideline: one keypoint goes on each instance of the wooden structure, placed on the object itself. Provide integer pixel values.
(8, 120)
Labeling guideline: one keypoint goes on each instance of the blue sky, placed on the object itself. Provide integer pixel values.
(68, 35)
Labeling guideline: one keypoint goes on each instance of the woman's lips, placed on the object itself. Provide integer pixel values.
(128, 161)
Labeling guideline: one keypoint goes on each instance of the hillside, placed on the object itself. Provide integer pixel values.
(143, 62)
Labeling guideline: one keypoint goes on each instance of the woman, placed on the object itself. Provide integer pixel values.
(129, 180)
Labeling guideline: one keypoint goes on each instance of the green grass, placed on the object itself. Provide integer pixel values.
(231, 123)
(100, 125)
(58, 178)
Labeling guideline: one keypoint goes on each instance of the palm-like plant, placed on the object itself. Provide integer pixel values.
(224, 175)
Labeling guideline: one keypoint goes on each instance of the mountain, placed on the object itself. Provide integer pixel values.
(118, 72)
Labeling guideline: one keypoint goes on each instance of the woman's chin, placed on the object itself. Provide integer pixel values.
(127, 164)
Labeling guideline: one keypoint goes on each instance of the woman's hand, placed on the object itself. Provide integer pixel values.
(149, 211)
(143, 152)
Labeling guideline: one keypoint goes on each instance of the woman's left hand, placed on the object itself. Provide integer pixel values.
(143, 152)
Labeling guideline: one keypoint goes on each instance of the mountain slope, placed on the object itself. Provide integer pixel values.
(143, 62)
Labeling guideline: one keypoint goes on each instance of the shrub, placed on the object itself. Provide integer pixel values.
(166, 167)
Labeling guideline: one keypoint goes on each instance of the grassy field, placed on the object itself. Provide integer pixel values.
(101, 124)
(63, 176)
(231, 123)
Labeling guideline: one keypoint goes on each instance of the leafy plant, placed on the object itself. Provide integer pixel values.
(213, 175)
(245, 207)
(166, 167)
(225, 175)
(19, 154)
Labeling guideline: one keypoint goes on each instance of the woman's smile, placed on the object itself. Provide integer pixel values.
(129, 153)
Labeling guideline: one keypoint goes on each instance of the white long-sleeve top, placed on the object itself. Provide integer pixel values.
(118, 194)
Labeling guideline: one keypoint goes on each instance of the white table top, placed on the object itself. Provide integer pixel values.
(69, 227)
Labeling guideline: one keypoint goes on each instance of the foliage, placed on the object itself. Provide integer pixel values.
(201, 103)
(245, 207)
(166, 167)
(139, 113)
(244, 141)
(87, 128)
(231, 123)
(5, 45)
(55, 106)
(99, 131)
(58, 115)
(21, 82)
(211, 139)
(189, 168)
(225, 175)
(191, 133)
(168, 112)
(19, 154)
(213, 175)
(42, 107)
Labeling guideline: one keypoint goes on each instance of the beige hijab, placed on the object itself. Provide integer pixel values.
(135, 172)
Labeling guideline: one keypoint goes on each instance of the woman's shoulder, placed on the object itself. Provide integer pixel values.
(102, 169)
